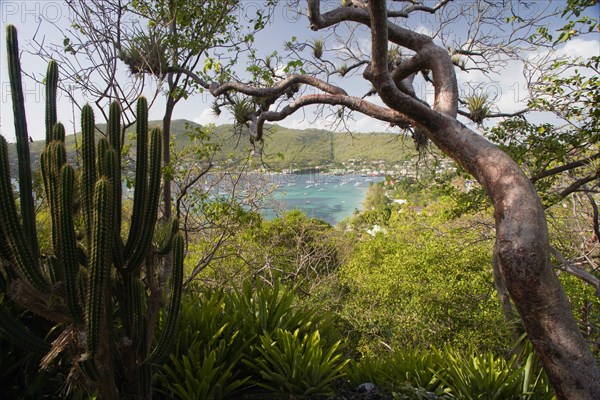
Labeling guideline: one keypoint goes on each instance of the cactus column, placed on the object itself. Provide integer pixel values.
(91, 285)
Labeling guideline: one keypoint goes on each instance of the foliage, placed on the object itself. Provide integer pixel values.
(452, 373)
(376, 208)
(477, 376)
(376, 198)
(293, 249)
(302, 249)
(478, 106)
(20, 377)
(298, 366)
(400, 368)
(222, 352)
(427, 281)
(208, 348)
(201, 374)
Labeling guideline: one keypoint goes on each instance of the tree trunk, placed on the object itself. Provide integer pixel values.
(523, 259)
(522, 247)
(504, 297)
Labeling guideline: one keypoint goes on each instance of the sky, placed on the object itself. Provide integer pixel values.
(40, 19)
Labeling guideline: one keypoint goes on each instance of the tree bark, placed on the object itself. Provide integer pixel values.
(504, 297)
(523, 257)
(522, 248)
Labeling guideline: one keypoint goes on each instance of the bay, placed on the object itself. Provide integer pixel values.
(327, 197)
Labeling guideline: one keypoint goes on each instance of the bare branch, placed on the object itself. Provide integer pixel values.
(184, 190)
(579, 273)
(206, 258)
(573, 187)
(353, 103)
(565, 167)
(217, 90)
(405, 12)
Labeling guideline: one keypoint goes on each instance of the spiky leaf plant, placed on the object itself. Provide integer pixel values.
(299, 366)
(146, 54)
(242, 108)
(478, 106)
(88, 281)
(318, 46)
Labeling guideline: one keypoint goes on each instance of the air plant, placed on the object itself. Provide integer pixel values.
(478, 106)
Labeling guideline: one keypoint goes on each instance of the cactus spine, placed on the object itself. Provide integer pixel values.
(20, 252)
(99, 262)
(88, 167)
(18, 99)
(149, 204)
(141, 179)
(161, 350)
(68, 243)
(51, 88)
(85, 277)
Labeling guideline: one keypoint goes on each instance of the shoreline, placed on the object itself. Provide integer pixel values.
(328, 197)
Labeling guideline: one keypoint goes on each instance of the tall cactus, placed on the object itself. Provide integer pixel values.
(81, 279)
(18, 99)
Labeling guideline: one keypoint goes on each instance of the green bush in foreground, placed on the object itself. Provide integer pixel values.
(254, 342)
(452, 373)
(400, 369)
(258, 342)
(294, 365)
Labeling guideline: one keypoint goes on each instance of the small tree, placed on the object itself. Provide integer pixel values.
(521, 249)
(115, 48)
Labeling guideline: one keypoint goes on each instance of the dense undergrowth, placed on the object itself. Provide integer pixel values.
(262, 342)
(296, 309)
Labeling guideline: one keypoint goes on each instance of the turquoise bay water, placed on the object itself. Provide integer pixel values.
(328, 197)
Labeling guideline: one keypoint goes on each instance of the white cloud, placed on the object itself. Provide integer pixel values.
(301, 123)
(368, 124)
(507, 90)
(208, 117)
(420, 28)
(574, 48)
(579, 47)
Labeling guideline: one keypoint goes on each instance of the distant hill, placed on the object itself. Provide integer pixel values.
(284, 147)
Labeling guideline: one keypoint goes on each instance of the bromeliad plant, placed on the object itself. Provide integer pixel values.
(93, 295)
(296, 365)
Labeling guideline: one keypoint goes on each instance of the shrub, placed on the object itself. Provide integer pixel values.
(208, 349)
(453, 373)
(427, 282)
(414, 368)
(297, 365)
(223, 350)
(468, 375)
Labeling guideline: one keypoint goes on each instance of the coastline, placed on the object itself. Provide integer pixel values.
(329, 197)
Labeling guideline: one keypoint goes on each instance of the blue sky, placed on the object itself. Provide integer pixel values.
(508, 86)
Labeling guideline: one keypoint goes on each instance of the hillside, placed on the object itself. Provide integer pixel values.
(284, 147)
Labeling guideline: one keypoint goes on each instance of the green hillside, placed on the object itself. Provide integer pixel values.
(294, 148)
(283, 148)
